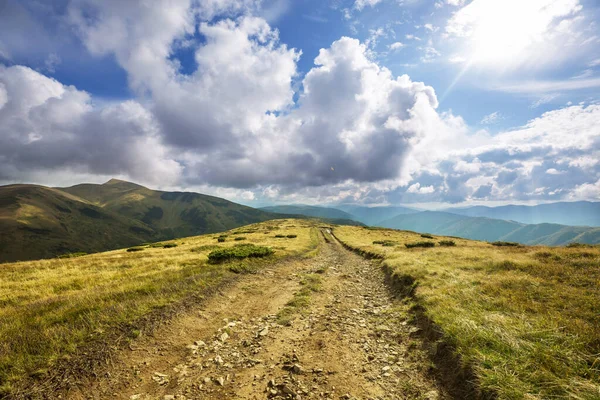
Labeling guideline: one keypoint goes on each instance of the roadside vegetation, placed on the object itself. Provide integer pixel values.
(524, 320)
(51, 308)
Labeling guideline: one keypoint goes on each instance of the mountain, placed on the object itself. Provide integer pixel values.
(374, 215)
(578, 213)
(488, 229)
(310, 211)
(170, 214)
(41, 222)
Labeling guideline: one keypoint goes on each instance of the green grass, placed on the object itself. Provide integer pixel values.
(51, 308)
(524, 319)
(447, 243)
(239, 252)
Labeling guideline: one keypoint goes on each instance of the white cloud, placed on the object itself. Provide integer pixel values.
(491, 118)
(544, 100)
(547, 86)
(360, 4)
(416, 188)
(412, 37)
(396, 46)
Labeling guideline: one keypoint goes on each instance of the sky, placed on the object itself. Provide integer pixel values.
(374, 102)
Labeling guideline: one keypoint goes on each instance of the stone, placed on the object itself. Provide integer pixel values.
(220, 381)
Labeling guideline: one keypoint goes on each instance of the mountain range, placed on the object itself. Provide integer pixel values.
(41, 222)
(505, 223)
(577, 213)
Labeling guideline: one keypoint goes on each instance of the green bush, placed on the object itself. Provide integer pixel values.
(220, 239)
(238, 252)
(137, 248)
(420, 244)
(169, 245)
(385, 243)
(279, 236)
(509, 244)
(426, 236)
(239, 238)
(292, 236)
(447, 243)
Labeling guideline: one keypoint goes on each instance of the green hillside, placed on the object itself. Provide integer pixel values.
(170, 214)
(40, 222)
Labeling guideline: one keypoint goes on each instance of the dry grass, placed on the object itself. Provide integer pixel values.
(49, 308)
(525, 319)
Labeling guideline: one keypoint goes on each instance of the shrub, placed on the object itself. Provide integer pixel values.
(279, 236)
(132, 249)
(447, 243)
(169, 245)
(420, 244)
(237, 239)
(292, 236)
(238, 252)
(220, 239)
(426, 236)
(385, 243)
(508, 244)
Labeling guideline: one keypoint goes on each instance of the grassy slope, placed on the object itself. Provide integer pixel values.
(40, 222)
(171, 214)
(525, 319)
(480, 228)
(49, 308)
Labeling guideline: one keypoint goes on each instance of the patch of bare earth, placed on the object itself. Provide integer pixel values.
(352, 342)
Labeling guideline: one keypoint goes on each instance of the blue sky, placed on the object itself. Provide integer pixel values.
(325, 102)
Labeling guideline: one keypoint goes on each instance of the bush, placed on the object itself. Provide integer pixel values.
(426, 236)
(420, 244)
(220, 239)
(237, 239)
(509, 244)
(169, 245)
(238, 252)
(385, 243)
(292, 236)
(132, 249)
(279, 236)
(447, 243)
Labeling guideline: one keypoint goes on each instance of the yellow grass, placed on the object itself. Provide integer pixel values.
(525, 319)
(49, 308)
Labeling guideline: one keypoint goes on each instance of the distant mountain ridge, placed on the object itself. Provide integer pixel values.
(488, 229)
(578, 213)
(310, 211)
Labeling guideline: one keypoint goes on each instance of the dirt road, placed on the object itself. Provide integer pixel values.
(350, 340)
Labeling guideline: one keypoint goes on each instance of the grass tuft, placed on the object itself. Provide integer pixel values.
(419, 244)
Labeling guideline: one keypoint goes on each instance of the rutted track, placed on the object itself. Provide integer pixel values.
(353, 340)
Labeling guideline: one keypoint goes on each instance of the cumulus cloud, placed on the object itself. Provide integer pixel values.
(233, 122)
(554, 156)
(243, 124)
(46, 125)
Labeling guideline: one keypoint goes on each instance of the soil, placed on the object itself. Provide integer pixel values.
(353, 340)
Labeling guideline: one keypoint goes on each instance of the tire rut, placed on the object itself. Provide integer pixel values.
(353, 341)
